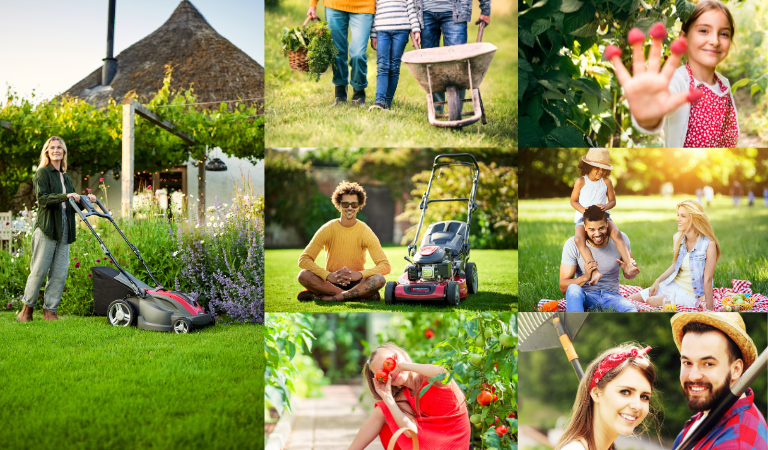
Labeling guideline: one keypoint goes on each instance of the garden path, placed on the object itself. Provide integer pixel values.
(331, 422)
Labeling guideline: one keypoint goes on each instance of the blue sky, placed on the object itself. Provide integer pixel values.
(49, 45)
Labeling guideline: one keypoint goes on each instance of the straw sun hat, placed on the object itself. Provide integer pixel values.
(598, 157)
(729, 323)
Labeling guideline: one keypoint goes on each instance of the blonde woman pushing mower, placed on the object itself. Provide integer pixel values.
(439, 417)
(54, 231)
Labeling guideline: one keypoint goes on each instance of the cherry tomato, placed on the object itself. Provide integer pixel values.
(495, 398)
(492, 388)
(484, 398)
(389, 365)
(429, 333)
(512, 416)
(501, 430)
(381, 376)
(495, 420)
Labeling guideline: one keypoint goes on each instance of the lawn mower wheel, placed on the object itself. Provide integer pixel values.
(121, 313)
(182, 325)
(452, 293)
(389, 293)
(471, 272)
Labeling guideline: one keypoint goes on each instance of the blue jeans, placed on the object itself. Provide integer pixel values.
(577, 300)
(390, 46)
(453, 34)
(352, 53)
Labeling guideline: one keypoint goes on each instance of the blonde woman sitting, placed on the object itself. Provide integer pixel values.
(689, 278)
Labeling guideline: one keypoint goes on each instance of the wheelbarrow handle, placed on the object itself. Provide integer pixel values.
(480, 31)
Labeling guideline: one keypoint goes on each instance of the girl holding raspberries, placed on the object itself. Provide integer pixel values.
(692, 104)
(439, 417)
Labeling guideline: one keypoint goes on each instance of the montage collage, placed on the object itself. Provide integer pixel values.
(299, 225)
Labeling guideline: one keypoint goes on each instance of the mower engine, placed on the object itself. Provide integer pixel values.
(432, 264)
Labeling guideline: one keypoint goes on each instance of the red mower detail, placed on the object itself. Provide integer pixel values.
(426, 251)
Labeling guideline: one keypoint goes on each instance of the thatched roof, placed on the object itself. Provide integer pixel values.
(215, 67)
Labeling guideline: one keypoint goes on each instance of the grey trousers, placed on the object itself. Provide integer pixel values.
(51, 258)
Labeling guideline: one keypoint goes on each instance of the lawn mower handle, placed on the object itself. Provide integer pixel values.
(454, 155)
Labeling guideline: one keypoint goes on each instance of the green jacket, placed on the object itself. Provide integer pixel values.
(49, 198)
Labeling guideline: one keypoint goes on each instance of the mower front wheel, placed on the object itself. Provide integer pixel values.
(121, 313)
(182, 325)
(472, 283)
(452, 293)
(389, 293)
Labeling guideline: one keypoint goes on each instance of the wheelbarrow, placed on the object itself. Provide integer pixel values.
(451, 69)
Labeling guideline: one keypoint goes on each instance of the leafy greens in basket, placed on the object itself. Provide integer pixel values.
(315, 37)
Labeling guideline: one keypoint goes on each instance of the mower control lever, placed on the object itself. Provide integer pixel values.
(407, 259)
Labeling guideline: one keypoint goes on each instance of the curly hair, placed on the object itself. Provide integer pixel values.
(585, 168)
(594, 214)
(347, 188)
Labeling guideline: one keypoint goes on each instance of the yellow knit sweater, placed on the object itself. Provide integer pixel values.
(350, 6)
(344, 246)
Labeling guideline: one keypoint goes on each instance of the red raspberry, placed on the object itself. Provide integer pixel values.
(658, 31)
(679, 47)
(612, 51)
(694, 95)
(635, 36)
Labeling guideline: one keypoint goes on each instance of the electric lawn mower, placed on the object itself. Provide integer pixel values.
(440, 270)
(126, 300)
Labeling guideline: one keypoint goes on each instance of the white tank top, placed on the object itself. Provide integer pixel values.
(593, 193)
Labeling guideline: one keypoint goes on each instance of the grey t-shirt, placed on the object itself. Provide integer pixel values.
(438, 6)
(606, 262)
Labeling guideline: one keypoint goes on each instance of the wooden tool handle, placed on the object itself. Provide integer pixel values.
(480, 31)
(393, 440)
(308, 19)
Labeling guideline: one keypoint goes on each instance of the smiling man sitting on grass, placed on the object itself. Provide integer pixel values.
(345, 241)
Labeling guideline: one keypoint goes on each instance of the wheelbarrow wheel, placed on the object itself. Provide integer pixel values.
(454, 103)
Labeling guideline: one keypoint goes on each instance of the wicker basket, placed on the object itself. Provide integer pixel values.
(749, 303)
(393, 439)
(297, 59)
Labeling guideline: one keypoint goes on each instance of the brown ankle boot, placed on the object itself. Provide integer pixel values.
(25, 315)
(48, 315)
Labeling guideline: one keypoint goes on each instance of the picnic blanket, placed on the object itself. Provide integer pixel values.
(738, 287)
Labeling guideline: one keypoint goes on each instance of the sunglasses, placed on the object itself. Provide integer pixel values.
(347, 204)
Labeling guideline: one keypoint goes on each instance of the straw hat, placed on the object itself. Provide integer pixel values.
(598, 157)
(729, 323)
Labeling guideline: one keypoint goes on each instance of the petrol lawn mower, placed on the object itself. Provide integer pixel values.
(440, 270)
(126, 300)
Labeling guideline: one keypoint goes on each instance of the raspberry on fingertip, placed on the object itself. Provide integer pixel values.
(635, 36)
(612, 51)
(679, 47)
(694, 95)
(658, 31)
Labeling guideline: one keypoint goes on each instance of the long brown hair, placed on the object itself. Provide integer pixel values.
(369, 375)
(699, 222)
(45, 159)
(708, 5)
(581, 423)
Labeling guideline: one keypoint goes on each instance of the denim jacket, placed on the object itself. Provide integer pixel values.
(698, 259)
(462, 10)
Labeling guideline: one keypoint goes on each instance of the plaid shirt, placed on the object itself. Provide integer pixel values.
(742, 427)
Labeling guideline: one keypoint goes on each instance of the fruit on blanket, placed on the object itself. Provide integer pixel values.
(484, 398)
(476, 359)
(381, 376)
(501, 430)
(475, 418)
(389, 365)
(488, 333)
(429, 334)
(505, 340)
(550, 306)
(670, 308)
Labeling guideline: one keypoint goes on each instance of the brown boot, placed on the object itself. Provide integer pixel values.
(48, 315)
(25, 315)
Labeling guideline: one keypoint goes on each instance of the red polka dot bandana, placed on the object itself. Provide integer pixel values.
(712, 123)
(614, 360)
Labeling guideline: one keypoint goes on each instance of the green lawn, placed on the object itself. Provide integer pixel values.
(650, 223)
(80, 383)
(296, 113)
(497, 271)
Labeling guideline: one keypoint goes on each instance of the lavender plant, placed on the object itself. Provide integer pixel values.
(222, 259)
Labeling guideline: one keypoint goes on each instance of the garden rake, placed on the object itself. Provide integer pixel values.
(535, 333)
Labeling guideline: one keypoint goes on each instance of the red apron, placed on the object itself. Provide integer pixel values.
(712, 123)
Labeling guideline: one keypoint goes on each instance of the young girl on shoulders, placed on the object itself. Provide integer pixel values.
(693, 104)
(595, 188)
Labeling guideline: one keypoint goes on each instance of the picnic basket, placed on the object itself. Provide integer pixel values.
(393, 440)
